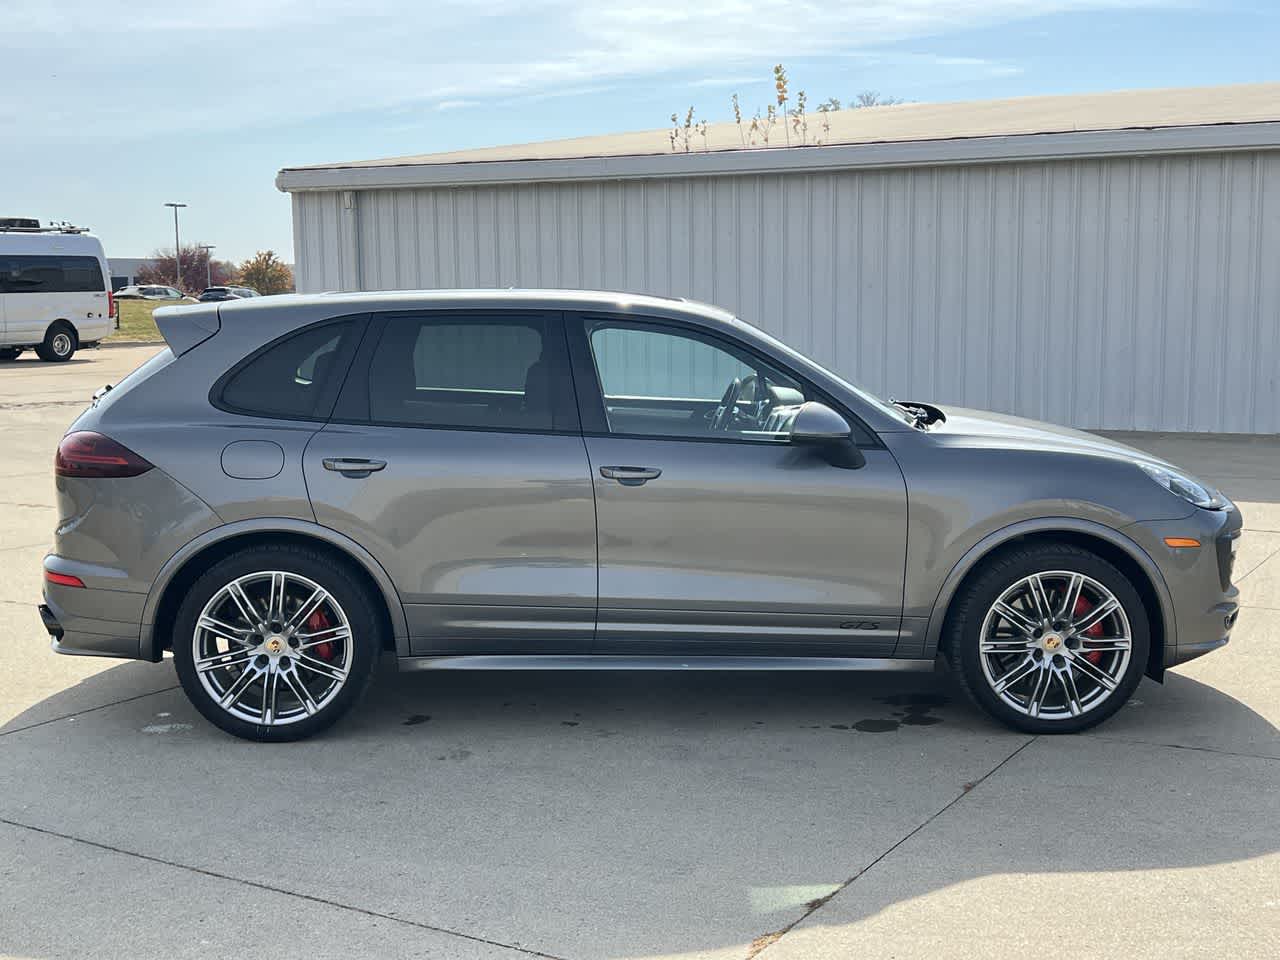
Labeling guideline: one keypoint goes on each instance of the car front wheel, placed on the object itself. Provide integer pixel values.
(276, 643)
(1049, 638)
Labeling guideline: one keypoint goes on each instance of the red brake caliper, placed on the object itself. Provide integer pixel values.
(315, 623)
(1082, 607)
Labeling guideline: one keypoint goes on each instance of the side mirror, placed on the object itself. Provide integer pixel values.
(819, 426)
(818, 423)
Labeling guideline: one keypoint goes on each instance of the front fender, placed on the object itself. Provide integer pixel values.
(150, 647)
(1045, 525)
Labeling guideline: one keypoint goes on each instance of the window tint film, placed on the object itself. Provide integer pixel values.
(483, 373)
(37, 274)
(292, 377)
(664, 382)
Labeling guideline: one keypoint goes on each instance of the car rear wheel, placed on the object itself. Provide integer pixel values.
(1049, 638)
(276, 643)
(59, 343)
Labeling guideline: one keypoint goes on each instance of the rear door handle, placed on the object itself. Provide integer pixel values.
(630, 476)
(353, 467)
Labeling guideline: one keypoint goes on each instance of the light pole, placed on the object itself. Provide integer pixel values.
(208, 264)
(177, 247)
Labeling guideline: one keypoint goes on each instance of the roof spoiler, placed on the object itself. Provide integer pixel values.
(187, 327)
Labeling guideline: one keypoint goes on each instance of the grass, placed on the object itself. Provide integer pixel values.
(136, 322)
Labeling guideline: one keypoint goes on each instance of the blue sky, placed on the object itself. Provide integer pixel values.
(110, 108)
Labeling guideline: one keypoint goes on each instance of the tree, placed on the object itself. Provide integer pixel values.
(161, 269)
(266, 273)
(872, 98)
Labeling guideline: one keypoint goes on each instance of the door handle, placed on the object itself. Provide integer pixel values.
(353, 467)
(630, 476)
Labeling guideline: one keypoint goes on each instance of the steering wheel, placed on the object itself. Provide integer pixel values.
(723, 418)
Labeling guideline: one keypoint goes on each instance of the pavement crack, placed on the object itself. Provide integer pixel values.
(323, 901)
(79, 713)
(1183, 746)
(765, 941)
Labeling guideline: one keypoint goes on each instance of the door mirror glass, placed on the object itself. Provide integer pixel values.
(818, 423)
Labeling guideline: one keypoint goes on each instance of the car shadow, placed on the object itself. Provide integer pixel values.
(635, 814)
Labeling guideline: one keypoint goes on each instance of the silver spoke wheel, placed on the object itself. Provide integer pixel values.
(1055, 645)
(272, 648)
(61, 344)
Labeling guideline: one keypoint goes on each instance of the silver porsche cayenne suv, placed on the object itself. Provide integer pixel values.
(481, 479)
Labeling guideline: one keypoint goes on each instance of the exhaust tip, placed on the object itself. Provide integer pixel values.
(51, 623)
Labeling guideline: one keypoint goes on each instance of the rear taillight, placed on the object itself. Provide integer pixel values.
(111, 304)
(63, 579)
(87, 454)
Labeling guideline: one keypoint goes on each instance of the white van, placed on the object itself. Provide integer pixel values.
(55, 293)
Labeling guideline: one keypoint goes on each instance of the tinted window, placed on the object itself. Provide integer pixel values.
(35, 274)
(292, 378)
(484, 373)
(665, 382)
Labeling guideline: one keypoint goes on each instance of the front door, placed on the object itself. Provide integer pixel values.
(455, 458)
(715, 532)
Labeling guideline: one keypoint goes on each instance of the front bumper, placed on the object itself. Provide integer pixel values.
(1204, 599)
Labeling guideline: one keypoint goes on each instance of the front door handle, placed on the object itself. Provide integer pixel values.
(630, 476)
(353, 467)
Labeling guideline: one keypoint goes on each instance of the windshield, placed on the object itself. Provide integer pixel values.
(801, 360)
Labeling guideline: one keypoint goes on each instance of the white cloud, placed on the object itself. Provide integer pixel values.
(80, 67)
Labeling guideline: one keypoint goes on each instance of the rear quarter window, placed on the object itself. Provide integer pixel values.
(23, 273)
(295, 378)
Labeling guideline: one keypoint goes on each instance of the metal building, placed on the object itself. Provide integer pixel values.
(1105, 261)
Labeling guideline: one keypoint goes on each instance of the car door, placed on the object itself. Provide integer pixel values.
(716, 533)
(455, 457)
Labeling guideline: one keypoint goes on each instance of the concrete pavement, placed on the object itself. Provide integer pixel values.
(625, 816)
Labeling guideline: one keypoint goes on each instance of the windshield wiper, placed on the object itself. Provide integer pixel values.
(919, 415)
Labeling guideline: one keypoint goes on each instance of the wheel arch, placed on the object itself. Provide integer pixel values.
(184, 567)
(1110, 544)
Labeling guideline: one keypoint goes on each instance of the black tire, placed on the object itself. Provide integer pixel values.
(998, 574)
(9, 353)
(350, 593)
(60, 343)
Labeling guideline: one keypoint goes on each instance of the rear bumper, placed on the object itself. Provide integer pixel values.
(92, 622)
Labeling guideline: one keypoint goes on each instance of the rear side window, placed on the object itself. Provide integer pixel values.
(37, 274)
(487, 373)
(295, 378)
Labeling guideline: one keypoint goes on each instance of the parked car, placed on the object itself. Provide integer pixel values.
(505, 479)
(149, 292)
(55, 295)
(216, 294)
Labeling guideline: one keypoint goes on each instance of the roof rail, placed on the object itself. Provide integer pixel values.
(30, 225)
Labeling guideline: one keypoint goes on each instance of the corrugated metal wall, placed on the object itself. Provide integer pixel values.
(1123, 293)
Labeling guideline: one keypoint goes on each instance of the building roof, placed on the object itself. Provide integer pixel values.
(1243, 116)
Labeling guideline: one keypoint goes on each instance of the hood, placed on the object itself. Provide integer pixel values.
(983, 428)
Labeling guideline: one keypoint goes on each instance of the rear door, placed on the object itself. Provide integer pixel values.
(455, 457)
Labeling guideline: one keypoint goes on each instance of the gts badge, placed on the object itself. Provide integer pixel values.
(860, 625)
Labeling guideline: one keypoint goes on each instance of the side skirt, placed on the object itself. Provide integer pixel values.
(614, 662)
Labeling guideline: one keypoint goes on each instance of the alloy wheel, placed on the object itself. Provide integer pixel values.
(61, 344)
(272, 648)
(1055, 645)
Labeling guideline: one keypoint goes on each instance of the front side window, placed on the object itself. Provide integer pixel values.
(295, 378)
(488, 373)
(661, 381)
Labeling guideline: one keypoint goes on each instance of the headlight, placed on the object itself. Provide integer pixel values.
(1187, 487)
